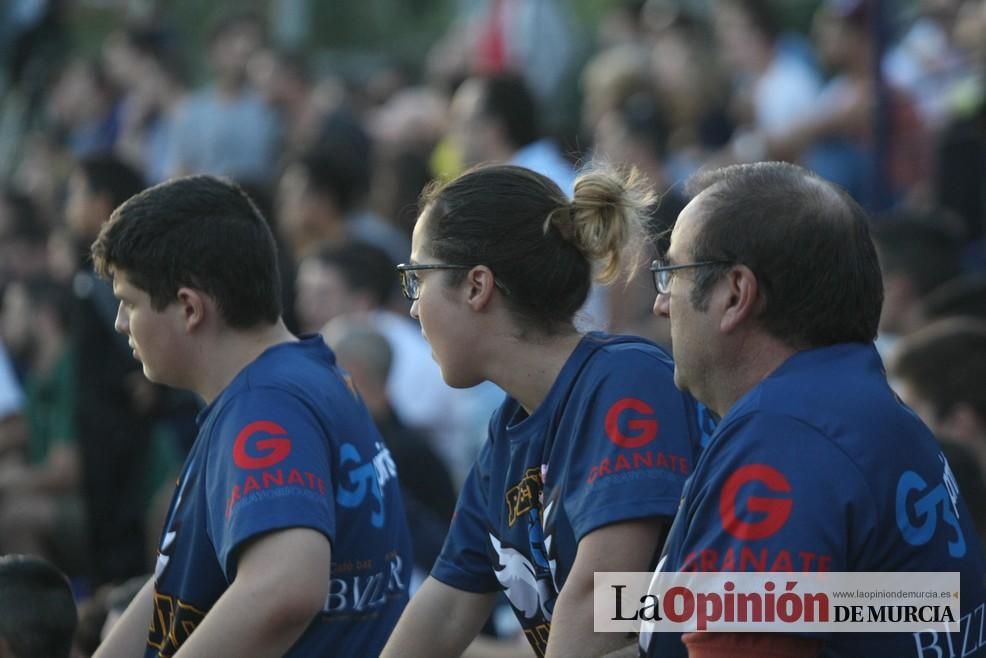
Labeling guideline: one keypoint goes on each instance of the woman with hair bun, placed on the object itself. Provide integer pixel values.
(586, 457)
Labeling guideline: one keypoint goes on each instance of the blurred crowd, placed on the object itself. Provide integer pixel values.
(887, 99)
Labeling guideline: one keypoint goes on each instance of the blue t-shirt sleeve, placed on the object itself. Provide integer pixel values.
(778, 496)
(632, 444)
(464, 562)
(268, 469)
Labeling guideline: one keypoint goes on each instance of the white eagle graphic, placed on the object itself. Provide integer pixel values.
(526, 591)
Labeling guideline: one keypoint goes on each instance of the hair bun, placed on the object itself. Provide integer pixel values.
(562, 219)
(607, 210)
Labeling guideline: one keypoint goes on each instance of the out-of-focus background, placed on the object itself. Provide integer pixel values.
(334, 115)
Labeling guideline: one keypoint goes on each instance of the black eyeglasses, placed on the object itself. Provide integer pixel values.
(411, 284)
(664, 273)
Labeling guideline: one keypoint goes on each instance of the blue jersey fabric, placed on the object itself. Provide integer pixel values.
(288, 444)
(821, 468)
(612, 441)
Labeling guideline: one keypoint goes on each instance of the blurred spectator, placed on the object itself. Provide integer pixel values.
(97, 185)
(39, 615)
(346, 137)
(961, 169)
(917, 255)
(961, 153)
(41, 510)
(359, 280)
(33, 46)
(23, 236)
(927, 62)
(32, 41)
(112, 417)
(286, 84)
(964, 295)
(533, 37)
(13, 429)
(41, 170)
(939, 372)
(62, 255)
(609, 79)
(838, 138)
(495, 119)
(625, 23)
(416, 117)
(689, 79)
(773, 86)
(226, 128)
(320, 201)
(156, 88)
(426, 485)
(84, 108)
(400, 175)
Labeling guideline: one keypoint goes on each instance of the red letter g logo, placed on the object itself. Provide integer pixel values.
(775, 510)
(277, 445)
(646, 427)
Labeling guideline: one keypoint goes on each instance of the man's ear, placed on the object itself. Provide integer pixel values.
(194, 306)
(743, 298)
(479, 287)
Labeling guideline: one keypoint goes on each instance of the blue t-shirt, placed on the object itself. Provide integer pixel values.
(612, 441)
(288, 444)
(820, 467)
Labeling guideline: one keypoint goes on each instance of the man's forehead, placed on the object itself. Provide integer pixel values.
(686, 226)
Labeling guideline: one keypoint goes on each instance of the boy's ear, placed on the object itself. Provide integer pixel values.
(194, 306)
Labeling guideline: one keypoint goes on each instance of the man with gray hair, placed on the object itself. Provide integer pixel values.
(773, 291)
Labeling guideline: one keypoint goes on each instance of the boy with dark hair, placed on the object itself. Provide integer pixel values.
(39, 616)
(288, 481)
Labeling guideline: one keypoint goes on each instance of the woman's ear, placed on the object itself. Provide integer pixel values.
(480, 283)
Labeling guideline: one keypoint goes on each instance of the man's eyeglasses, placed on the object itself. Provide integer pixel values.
(664, 273)
(411, 284)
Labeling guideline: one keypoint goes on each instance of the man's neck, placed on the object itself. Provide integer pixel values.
(757, 359)
(231, 353)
